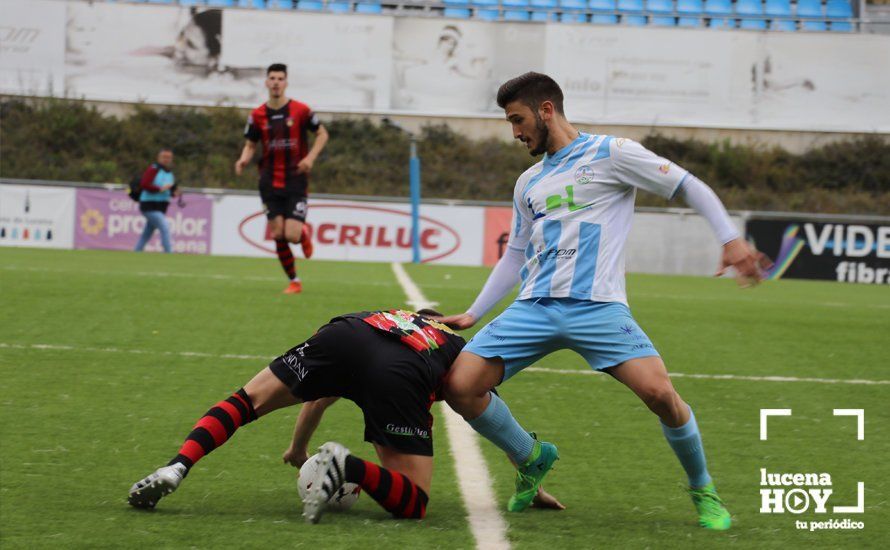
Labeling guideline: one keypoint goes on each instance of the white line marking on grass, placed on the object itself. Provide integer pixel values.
(239, 356)
(486, 523)
(60, 347)
(727, 377)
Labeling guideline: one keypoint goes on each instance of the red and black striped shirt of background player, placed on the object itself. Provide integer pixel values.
(283, 133)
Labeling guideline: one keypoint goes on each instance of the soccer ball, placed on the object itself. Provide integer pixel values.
(343, 499)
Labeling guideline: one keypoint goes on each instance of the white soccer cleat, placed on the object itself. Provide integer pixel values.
(147, 492)
(328, 478)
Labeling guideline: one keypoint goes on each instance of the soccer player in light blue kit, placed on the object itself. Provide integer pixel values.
(572, 213)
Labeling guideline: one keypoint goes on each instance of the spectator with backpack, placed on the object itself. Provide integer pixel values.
(156, 187)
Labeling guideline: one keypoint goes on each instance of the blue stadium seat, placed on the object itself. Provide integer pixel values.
(632, 12)
(687, 8)
(604, 12)
(339, 7)
(255, 4)
(485, 9)
(717, 8)
(811, 15)
(368, 6)
(457, 13)
(221, 3)
(750, 7)
(283, 4)
(513, 10)
(541, 14)
(839, 9)
(659, 7)
(307, 5)
(572, 11)
(781, 12)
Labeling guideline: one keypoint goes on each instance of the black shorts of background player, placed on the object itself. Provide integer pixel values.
(282, 125)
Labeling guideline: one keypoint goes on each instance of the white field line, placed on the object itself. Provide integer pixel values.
(486, 523)
(583, 372)
(727, 377)
(729, 297)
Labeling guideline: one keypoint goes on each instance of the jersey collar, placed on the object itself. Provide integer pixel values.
(561, 154)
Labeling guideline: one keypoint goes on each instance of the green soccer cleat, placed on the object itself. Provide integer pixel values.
(711, 512)
(530, 475)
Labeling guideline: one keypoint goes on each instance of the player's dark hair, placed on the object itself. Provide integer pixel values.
(165, 150)
(428, 312)
(277, 68)
(531, 89)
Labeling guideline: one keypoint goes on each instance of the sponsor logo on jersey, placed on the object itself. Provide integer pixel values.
(584, 175)
(665, 168)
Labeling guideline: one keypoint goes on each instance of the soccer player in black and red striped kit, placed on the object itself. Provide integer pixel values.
(390, 363)
(282, 125)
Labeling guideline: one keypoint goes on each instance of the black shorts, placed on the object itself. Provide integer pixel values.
(391, 383)
(288, 205)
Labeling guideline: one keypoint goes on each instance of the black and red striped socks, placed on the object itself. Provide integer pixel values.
(392, 490)
(286, 257)
(215, 428)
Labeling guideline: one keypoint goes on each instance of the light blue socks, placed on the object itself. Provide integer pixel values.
(497, 425)
(685, 440)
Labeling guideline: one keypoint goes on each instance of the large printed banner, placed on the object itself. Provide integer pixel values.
(439, 66)
(213, 56)
(36, 216)
(835, 251)
(356, 231)
(111, 220)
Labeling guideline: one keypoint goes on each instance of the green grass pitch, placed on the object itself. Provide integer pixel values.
(108, 358)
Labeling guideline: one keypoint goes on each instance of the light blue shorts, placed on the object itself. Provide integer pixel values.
(604, 333)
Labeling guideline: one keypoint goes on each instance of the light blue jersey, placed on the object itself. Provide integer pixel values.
(572, 214)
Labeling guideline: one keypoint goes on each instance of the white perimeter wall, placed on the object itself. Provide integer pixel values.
(435, 66)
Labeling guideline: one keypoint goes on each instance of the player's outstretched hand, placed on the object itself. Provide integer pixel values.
(458, 322)
(749, 263)
(545, 500)
(295, 457)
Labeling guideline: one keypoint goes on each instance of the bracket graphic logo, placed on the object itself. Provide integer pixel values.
(797, 492)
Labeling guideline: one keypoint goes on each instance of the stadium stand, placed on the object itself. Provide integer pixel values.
(771, 15)
(545, 10)
(717, 9)
(688, 8)
(604, 12)
(632, 12)
(780, 11)
(662, 13)
(750, 7)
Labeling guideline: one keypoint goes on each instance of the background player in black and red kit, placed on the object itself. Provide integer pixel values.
(282, 125)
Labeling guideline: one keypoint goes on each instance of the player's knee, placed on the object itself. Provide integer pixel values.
(659, 397)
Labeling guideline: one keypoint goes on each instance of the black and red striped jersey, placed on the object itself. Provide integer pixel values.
(423, 335)
(283, 133)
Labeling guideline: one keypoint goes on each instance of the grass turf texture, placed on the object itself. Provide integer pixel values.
(80, 425)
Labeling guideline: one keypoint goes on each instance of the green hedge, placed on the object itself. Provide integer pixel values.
(67, 140)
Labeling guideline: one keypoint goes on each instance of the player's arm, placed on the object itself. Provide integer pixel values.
(737, 253)
(321, 139)
(252, 135)
(307, 421)
(503, 277)
(246, 156)
(635, 165)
